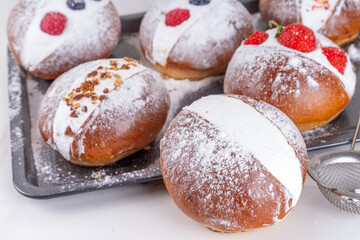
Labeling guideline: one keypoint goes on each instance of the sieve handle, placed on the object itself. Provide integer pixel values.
(353, 142)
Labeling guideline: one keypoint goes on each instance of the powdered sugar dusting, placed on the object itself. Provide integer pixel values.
(38, 45)
(227, 114)
(286, 126)
(229, 17)
(201, 166)
(348, 78)
(165, 37)
(89, 33)
(63, 118)
(15, 88)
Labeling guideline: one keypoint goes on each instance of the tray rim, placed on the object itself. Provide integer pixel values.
(18, 153)
(21, 183)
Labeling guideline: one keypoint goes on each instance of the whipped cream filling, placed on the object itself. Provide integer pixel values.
(256, 134)
(348, 78)
(165, 37)
(38, 45)
(315, 13)
(63, 118)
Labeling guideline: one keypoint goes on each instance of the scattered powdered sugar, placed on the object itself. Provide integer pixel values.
(320, 133)
(14, 88)
(184, 92)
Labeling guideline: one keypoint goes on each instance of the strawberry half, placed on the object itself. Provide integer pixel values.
(298, 37)
(336, 57)
(256, 38)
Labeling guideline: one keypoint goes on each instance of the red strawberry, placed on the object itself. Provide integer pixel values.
(53, 23)
(299, 37)
(256, 38)
(336, 57)
(176, 17)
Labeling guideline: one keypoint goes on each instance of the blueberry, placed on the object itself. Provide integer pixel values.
(199, 2)
(76, 4)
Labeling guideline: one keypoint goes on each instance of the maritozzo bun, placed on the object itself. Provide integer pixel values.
(233, 163)
(102, 111)
(49, 37)
(338, 20)
(300, 72)
(193, 38)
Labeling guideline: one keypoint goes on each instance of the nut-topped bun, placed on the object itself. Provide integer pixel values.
(338, 20)
(300, 72)
(103, 111)
(49, 37)
(233, 163)
(192, 38)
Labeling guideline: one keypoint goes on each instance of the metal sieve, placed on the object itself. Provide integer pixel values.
(337, 174)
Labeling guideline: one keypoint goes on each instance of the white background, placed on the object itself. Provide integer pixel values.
(143, 211)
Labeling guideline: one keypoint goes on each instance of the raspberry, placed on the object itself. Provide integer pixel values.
(53, 23)
(199, 2)
(256, 38)
(336, 57)
(298, 37)
(176, 17)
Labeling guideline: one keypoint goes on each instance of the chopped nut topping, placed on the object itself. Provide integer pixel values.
(93, 101)
(102, 97)
(106, 90)
(105, 75)
(141, 62)
(73, 114)
(76, 105)
(69, 132)
(92, 74)
(114, 63)
(78, 90)
(84, 109)
(124, 66)
(133, 64)
(100, 68)
(117, 76)
(78, 97)
(118, 82)
(129, 59)
(69, 101)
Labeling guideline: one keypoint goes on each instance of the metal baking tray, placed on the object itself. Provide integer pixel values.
(40, 172)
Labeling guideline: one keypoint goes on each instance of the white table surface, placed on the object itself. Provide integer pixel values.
(142, 211)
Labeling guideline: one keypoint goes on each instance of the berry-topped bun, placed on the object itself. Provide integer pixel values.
(49, 37)
(233, 163)
(298, 71)
(193, 38)
(102, 111)
(338, 20)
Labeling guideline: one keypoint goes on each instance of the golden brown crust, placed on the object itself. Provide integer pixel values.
(341, 27)
(206, 59)
(204, 188)
(274, 10)
(123, 123)
(193, 74)
(52, 66)
(104, 162)
(306, 105)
